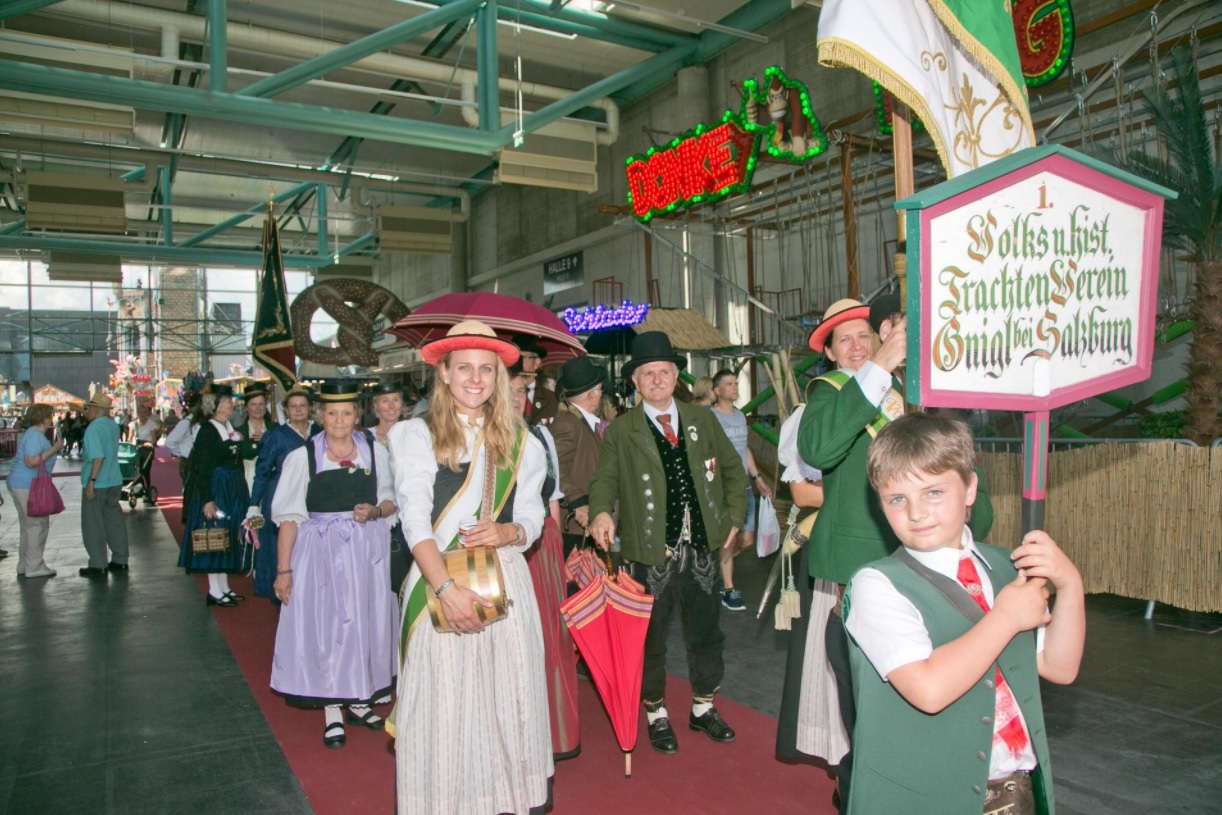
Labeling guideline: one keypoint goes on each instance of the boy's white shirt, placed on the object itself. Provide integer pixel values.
(891, 632)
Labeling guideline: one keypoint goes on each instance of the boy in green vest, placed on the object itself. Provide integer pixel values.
(949, 638)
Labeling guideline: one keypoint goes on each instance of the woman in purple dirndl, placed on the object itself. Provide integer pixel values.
(336, 644)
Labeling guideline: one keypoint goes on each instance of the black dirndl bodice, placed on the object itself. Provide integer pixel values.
(341, 490)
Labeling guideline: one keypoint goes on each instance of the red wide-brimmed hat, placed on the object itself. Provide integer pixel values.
(838, 312)
(466, 335)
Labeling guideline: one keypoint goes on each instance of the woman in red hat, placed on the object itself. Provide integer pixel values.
(471, 720)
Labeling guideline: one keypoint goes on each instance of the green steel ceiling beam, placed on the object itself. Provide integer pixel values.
(13, 228)
(18, 76)
(16, 8)
(200, 237)
(345, 55)
(488, 70)
(177, 254)
(660, 65)
(218, 45)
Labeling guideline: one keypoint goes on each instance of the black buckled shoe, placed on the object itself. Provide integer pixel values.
(116, 567)
(713, 726)
(662, 737)
(333, 735)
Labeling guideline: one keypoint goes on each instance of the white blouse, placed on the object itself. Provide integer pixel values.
(289, 503)
(416, 470)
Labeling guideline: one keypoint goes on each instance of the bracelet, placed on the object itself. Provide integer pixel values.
(756, 477)
(379, 510)
(443, 587)
(283, 571)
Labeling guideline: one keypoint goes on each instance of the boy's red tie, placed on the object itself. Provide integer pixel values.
(1009, 728)
(667, 430)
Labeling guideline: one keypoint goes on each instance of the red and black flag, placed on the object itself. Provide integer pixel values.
(272, 345)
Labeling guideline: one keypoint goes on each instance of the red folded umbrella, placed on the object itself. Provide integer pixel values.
(505, 314)
(584, 564)
(608, 620)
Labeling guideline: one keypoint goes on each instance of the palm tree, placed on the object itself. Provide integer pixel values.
(1192, 223)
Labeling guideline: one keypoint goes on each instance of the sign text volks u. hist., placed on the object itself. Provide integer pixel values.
(1036, 283)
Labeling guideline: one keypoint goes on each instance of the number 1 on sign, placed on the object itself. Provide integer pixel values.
(1044, 197)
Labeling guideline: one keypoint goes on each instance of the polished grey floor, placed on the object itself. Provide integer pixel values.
(121, 696)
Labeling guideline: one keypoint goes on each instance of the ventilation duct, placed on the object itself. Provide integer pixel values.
(415, 229)
(54, 111)
(561, 156)
(84, 268)
(75, 202)
(358, 267)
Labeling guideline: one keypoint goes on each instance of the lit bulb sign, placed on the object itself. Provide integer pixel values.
(705, 164)
(713, 161)
(1044, 30)
(598, 318)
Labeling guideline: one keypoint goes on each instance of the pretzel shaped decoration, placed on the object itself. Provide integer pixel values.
(369, 302)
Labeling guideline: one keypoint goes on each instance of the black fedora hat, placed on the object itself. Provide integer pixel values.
(529, 345)
(339, 392)
(652, 346)
(579, 375)
(883, 308)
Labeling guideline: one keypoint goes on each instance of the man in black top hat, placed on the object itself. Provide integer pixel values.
(682, 492)
(577, 431)
(541, 403)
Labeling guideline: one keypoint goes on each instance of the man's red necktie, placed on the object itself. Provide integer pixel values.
(1009, 728)
(667, 430)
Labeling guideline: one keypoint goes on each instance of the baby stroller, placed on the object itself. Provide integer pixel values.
(134, 462)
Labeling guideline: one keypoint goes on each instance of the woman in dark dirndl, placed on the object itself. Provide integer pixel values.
(336, 640)
(277, 443)
(387, 409)
(218, 497)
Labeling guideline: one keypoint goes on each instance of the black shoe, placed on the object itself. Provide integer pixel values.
(333, 735)
(370, 719)
(3, 553)
(116, 567)
(91, 571)
(713, 726)
(237, 598)
(662, 737)
(221, 601)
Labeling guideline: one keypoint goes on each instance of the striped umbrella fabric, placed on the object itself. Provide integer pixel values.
(608, 620)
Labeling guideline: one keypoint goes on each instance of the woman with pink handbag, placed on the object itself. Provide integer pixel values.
(34, 460)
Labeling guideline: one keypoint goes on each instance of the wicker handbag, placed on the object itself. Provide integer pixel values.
(477, 568)
(209, 538)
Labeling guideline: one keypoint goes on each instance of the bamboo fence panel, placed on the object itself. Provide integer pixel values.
(1138, 520)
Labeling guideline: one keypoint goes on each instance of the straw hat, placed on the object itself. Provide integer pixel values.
(841, 311)
(470, 334)
(99, 400)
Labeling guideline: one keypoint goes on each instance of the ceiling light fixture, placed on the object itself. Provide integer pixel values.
(701, 24)
(531, 28)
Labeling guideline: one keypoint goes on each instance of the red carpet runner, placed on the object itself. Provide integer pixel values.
(703, 777)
